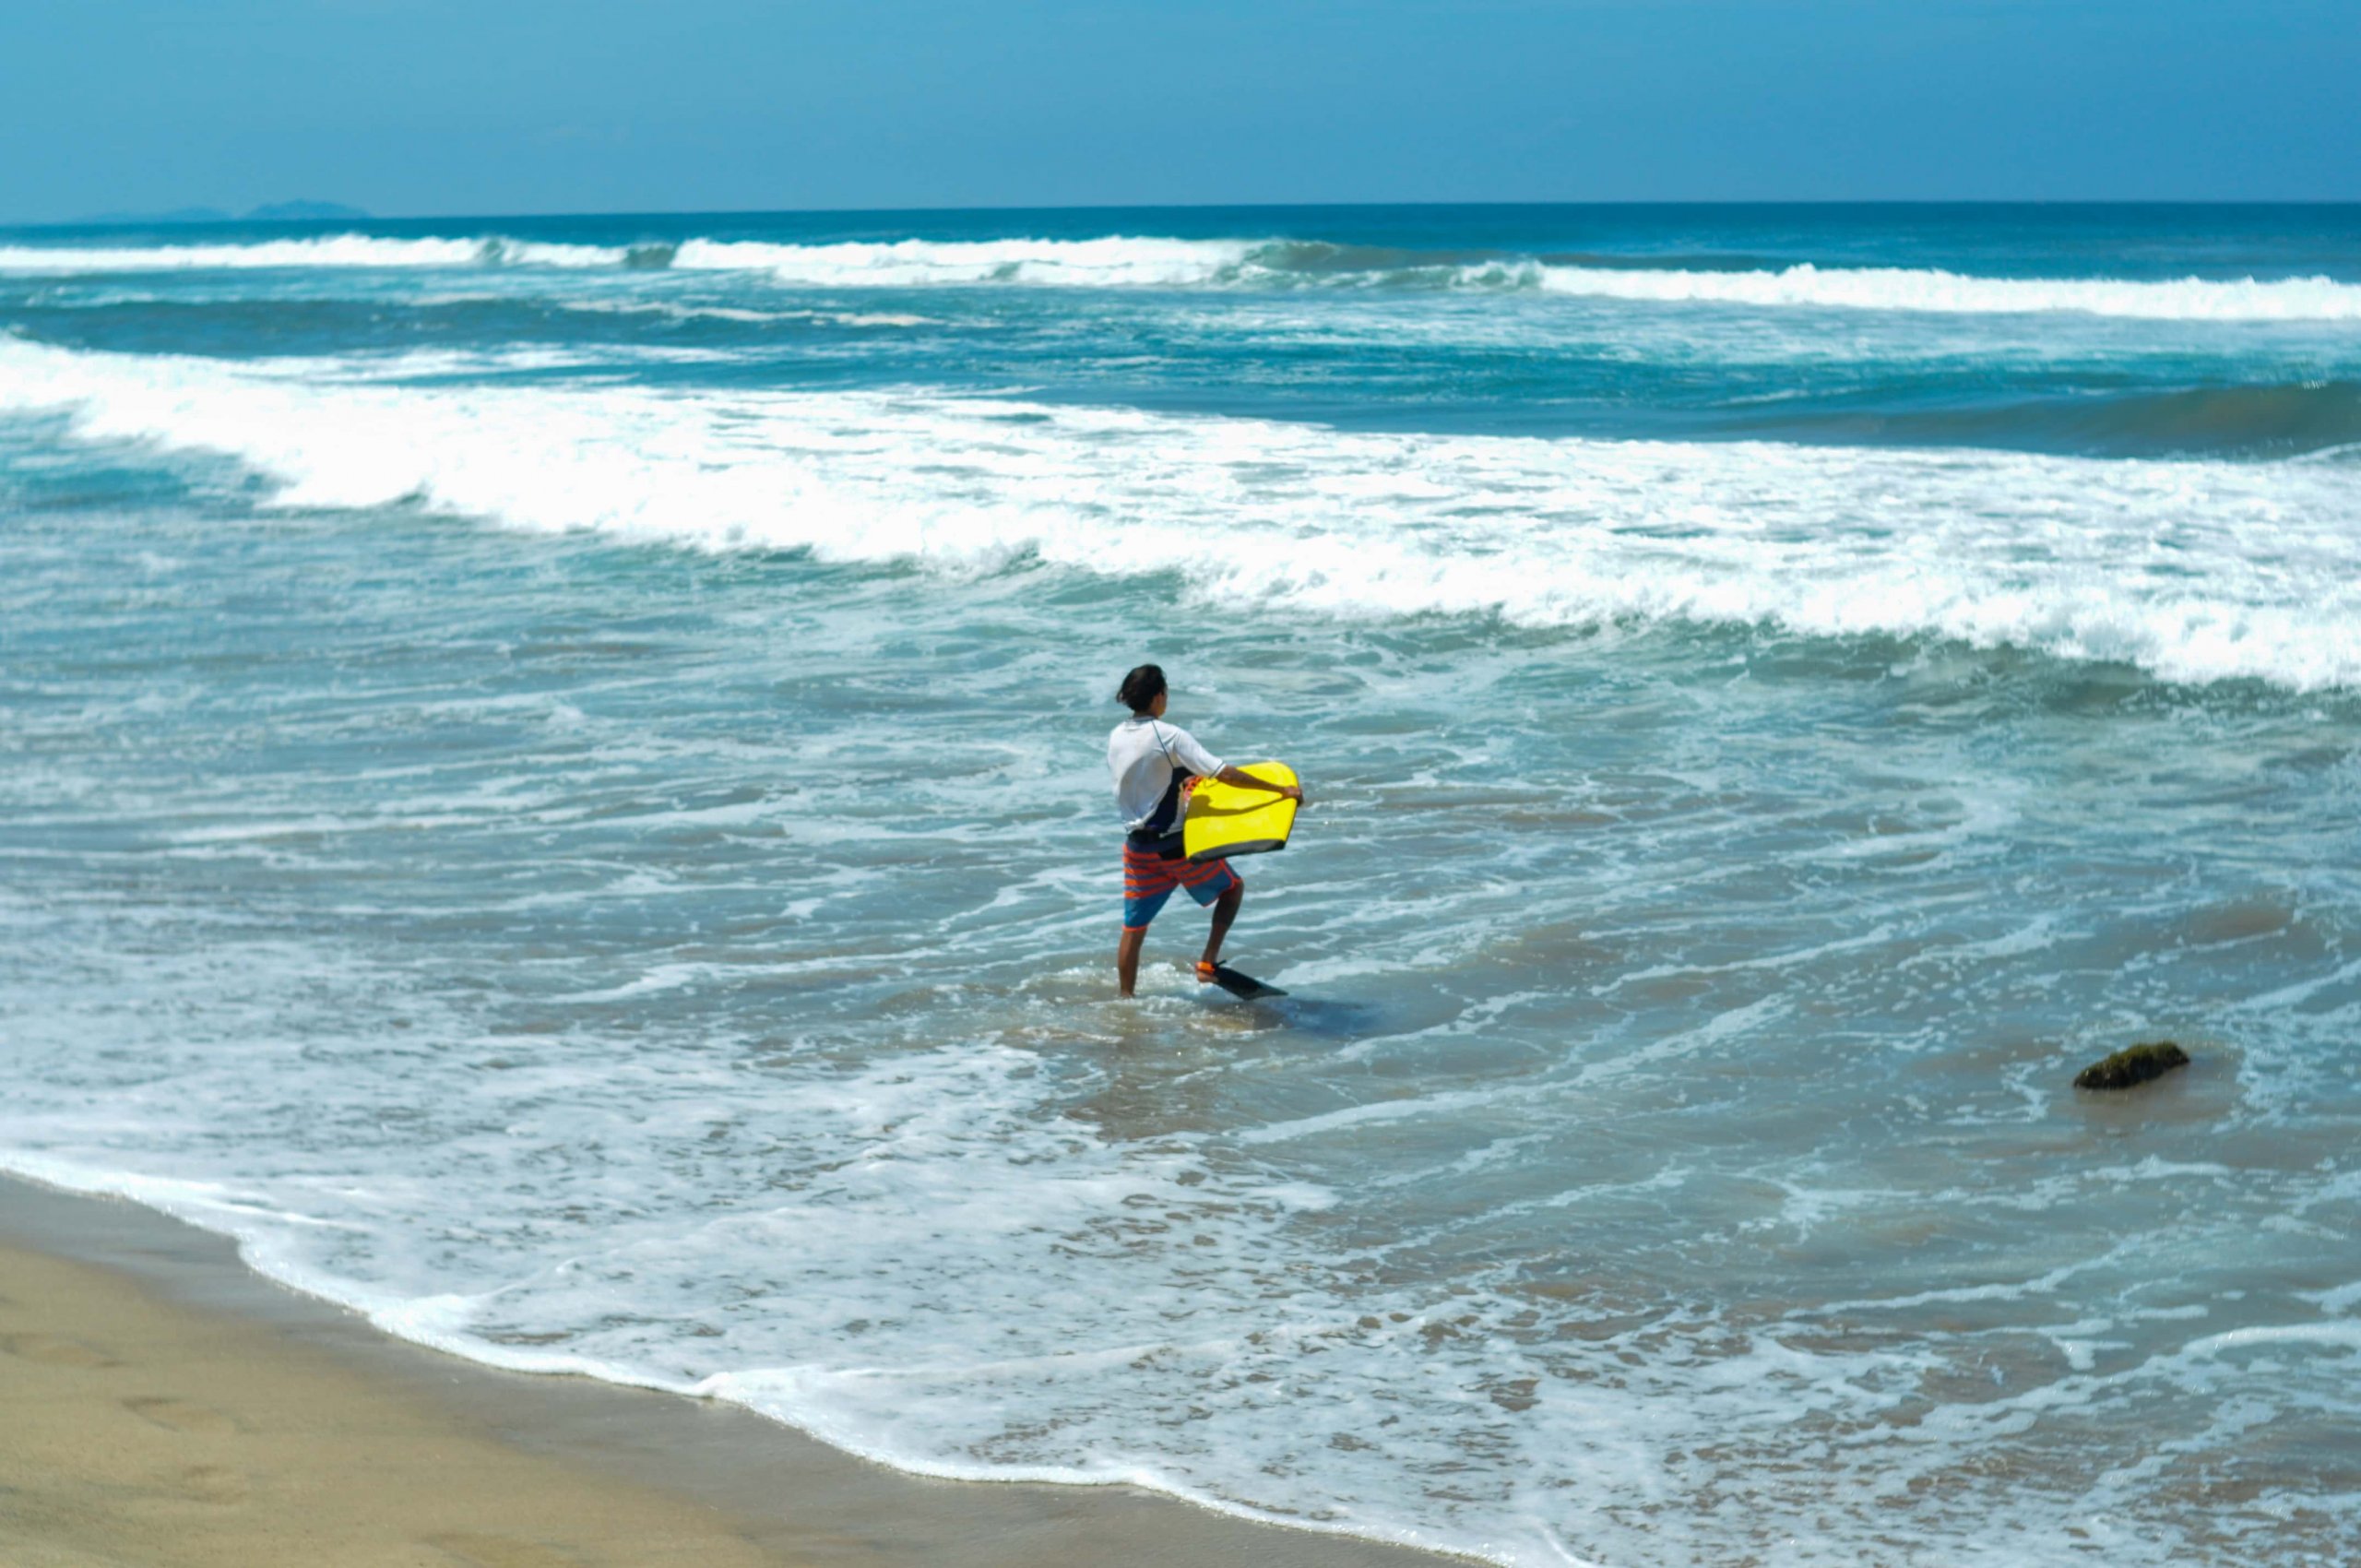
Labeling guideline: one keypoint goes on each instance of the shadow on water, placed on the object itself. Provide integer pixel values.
(1325, 1020)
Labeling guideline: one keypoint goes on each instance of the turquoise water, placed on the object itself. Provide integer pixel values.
(555, 790)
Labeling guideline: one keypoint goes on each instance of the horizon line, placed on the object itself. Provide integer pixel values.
(164, 218)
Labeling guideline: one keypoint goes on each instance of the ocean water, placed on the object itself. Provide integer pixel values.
(554, 789)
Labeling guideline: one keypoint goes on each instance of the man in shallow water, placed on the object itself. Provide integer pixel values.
(1154, 764)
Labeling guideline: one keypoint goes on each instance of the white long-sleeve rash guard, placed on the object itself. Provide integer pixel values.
(1143, 753)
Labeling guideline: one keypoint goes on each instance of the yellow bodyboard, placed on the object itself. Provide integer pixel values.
(1225, 820)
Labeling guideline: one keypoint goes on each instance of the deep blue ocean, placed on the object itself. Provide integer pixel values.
(554, 789)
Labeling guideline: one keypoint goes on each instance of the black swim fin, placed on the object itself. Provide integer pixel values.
(1245, 987)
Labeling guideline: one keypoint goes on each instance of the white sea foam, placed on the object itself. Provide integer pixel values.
(674, 312)
(1148, 261)
(327, 251)
(1116, 261)
(1113, 261)
(2195, 571)
(1908, 289)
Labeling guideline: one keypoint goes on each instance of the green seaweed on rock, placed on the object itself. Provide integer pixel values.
(2132, 1065)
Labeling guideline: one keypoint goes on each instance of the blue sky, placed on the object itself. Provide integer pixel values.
(434, 106)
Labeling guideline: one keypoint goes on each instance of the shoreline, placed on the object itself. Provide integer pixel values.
(190, 1410)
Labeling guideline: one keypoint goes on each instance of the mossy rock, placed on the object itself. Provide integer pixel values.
(2132, 1065)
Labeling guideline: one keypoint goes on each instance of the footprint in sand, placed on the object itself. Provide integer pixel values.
(212, 1483)
(180, 1415)
(502, 1552)
(55, 1350)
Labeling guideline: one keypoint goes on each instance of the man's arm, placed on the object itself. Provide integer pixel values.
(1187, 752)
(1242, 780)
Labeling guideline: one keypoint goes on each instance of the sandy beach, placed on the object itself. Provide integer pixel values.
(167, 1409)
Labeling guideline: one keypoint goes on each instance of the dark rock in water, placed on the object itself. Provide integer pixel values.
(2133, 1064)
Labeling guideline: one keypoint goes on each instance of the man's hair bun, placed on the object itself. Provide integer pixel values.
(1140, 688)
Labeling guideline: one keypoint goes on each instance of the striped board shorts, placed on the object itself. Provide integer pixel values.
(1149, 879)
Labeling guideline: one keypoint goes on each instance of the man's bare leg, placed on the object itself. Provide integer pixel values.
(1225, 911)
(1127, 958)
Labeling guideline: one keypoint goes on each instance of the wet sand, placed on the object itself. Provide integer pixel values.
(166, 1407)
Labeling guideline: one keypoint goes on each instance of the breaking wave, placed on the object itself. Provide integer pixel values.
(1909, 289)
(2194, 571)
(329, 250)
(1115, 262)
(1120, 262)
